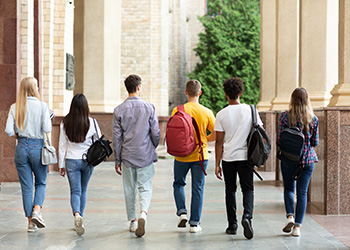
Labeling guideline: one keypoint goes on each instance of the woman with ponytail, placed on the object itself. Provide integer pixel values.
(28, 120)
(302, 116)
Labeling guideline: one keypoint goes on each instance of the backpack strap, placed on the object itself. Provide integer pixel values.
(98, 136)
(254, 119)
(200, 144)
(255, 125)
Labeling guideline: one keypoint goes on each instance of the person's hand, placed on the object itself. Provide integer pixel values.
(218, 172)
(118, 169)
(62, 171)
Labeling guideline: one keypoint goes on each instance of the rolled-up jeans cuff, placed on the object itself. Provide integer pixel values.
(194, 223)
(181, 211)
(289, 215)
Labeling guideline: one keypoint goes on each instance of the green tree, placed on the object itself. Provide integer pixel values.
(229, 46)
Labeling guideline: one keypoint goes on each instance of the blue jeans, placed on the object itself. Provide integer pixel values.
(180, 172)
(28, 162)
(137, 179)
(79, 173)
(289, 189)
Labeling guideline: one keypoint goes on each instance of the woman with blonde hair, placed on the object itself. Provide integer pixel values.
(27, 121)
(302, 116)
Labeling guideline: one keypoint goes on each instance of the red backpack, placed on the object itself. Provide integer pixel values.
(180, 136)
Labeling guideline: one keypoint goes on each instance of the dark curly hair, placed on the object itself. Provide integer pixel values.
(131, 83)
(233, 86)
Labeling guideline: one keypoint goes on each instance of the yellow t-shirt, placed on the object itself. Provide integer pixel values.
(206, 121)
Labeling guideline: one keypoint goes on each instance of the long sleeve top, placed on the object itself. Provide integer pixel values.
(136, 133)
(311, 137)
(73, 150)
(37, 120)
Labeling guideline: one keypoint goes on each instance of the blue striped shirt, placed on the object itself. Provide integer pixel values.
(135, 133)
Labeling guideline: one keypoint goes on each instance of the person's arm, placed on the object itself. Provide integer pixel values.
(46, 121)
(281, 126)
(211, 126)
(219, 148)
(62, 150)
(117, 142)
(154, 127)
(314, 136)
(10, 123)
(211, 136)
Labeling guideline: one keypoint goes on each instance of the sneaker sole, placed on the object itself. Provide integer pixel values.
(182, 223)
(140, 231)
(288, 227)
(38, 223)
(80, 230)
(32, 230)
(248, 231)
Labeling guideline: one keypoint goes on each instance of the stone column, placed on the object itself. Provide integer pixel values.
(319, 49)
(341, 91)
(267, 54)
(10, 77)
(99, 60)
(287, 52)
(38, 44)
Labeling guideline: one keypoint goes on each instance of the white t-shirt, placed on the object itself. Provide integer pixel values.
(73, 150)
(236, 122)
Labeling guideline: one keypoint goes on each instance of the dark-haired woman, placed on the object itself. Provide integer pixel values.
(76, 132)
(302, 116)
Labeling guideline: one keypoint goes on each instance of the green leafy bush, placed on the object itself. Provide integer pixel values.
(229, 46)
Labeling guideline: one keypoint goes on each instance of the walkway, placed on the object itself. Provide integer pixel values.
(107, 228)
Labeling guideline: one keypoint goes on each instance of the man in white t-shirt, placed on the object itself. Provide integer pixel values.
(232, 127)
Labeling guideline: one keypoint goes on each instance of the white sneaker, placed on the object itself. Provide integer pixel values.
(133, 226)
(289, 224)
(296, 231)
(37, 219)
(140, 231)
(32, 228)
(183, 220)
(78, 223)
(195, 229)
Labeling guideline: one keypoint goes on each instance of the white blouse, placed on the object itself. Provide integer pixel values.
(73, 150)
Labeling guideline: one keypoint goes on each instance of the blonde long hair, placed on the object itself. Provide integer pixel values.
(28, 87)
(300, 106)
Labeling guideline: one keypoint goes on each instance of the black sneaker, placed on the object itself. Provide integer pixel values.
(248, 229)
(232, 229)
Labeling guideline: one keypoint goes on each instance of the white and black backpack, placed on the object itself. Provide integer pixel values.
(259, 144)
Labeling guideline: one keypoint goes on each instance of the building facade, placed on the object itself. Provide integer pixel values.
(108, 40)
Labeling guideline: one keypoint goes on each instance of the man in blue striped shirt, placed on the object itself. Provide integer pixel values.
(135, 137)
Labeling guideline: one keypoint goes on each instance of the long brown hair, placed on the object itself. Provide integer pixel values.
(28, 87)
(300, 106)
(76, 123)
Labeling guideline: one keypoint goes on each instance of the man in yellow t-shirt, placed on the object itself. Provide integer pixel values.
(206, 121)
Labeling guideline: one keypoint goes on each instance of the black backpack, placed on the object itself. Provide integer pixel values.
(291, 145)
(259, 144)
(98, 151)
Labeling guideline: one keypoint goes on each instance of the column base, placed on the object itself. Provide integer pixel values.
(280, 103)
(341, 95)
(264, 106)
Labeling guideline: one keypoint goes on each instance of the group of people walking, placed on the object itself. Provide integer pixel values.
(136, 136)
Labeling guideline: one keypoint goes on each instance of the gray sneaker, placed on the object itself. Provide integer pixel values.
(32, 228)
(78, 223)
(38, 220)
